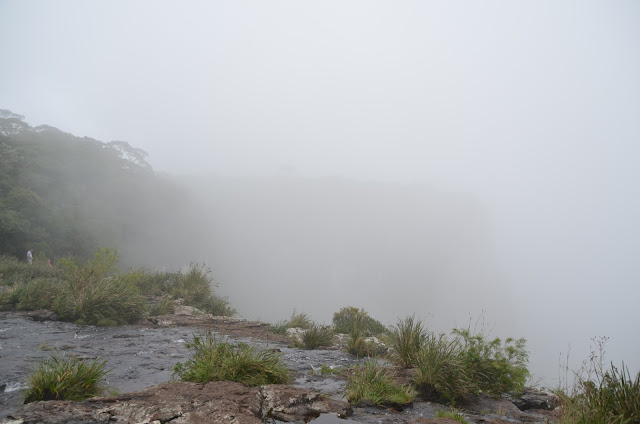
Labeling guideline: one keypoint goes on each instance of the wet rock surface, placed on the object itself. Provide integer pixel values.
(215, 402)
(141, 359)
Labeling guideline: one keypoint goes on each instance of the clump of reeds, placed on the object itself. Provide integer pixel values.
(374, 383)
(59, 378)
(215, 360)
(317, 336)
(407, 338)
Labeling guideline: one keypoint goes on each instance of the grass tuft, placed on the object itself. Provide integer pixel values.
(59, 378)
(317, 336)
(441, 370)
(217, 360)
(374, 383)
(407, 338)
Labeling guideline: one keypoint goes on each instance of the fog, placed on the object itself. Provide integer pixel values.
(451, 159)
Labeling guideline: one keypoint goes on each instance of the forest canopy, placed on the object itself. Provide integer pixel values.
(66, 195)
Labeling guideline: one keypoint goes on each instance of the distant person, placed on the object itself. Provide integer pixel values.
(30, 256)
(49, 262)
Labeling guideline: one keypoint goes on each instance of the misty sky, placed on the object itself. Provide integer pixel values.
(532, 109)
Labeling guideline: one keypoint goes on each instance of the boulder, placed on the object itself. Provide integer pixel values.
(536, 399)
(296, 334)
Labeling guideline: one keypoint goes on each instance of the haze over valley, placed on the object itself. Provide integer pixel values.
(464, 162)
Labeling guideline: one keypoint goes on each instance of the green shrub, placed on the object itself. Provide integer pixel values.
(348, 318)
(374, 383)
(217, 360)
(441, 370)
(496, 367)
(317, 336)
(406, 338)
(72, 379)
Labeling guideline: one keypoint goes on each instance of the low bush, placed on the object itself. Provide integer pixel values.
(61, 378)
(317, 336)
(494, 366)
(407, 337)
(372, 382)
(348, 318)
(441, 370)
(217, 360)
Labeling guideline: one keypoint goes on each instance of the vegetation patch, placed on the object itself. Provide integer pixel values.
(218, 360)
(451, 368)
(493, 365)
(441, 370)
(407, 338)
(296, 320)
(95, 292)
(195, 287)
(349, 318)
(358, 345)
(601, 394)
(59, 378)
(374, 383)
(317, 336)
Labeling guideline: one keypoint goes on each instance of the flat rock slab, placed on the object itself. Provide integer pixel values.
(214, 402)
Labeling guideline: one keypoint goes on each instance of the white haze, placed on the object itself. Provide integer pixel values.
(442, 158)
